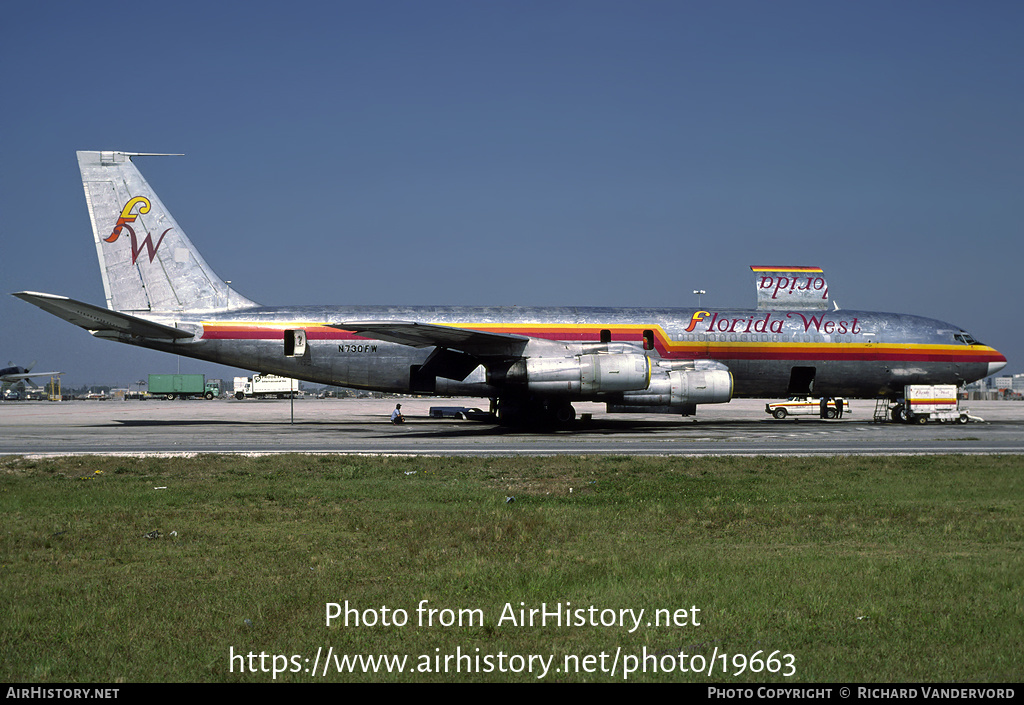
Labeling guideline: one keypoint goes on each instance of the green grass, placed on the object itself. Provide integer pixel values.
(864, 569)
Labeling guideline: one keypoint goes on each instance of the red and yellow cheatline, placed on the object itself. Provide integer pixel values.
(798, 270)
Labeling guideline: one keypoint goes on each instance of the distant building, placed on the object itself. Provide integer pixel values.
(1002, 383)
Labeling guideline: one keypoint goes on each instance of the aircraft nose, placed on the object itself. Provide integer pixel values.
(994, 367)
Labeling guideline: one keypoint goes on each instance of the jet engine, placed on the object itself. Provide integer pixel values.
(677, 391)
(581, 375)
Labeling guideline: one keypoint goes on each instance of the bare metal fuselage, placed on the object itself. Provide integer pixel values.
(161, 294)
(846, 353)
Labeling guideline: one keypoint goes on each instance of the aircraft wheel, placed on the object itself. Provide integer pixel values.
(779, 413)
(897, 414)
(535, 413)
(564, 414)
(512, 412)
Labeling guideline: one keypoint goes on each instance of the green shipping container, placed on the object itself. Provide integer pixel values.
(175, 386)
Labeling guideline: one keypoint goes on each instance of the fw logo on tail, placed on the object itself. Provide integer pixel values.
(128, 217)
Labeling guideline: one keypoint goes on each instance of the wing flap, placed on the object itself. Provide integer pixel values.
(100, 321)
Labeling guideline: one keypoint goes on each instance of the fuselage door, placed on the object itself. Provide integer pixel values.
(801, 381)
(294, 343)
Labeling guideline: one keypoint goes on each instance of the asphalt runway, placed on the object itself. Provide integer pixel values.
(361, 426)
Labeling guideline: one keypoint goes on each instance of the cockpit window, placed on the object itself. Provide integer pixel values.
(965, 338)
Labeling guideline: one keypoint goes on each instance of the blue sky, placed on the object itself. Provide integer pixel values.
(531, 153)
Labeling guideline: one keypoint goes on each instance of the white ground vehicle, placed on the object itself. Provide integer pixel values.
(265, 386)
(806, 406)
(922, 403)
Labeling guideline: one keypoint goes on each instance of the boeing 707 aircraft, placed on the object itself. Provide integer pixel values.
(532, 362)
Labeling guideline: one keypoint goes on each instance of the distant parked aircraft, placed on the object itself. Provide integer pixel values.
(20, 375)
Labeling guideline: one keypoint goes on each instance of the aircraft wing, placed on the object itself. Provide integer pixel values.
(28, 376)
(99, 321)
(422, 335)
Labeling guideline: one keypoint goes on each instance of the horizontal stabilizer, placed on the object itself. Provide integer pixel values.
(99, 320)
(422, 335)
(790, 288)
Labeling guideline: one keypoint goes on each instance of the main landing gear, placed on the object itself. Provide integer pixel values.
(544, 413)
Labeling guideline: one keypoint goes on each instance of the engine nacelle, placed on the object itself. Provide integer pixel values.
(582, 375)
(679, 388)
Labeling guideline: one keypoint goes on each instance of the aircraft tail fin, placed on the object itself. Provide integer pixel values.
(790, 288)
(147, 262)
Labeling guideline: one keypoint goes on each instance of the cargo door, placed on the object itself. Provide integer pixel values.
(801, 382)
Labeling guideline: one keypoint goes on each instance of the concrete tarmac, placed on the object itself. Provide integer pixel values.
(361, 426)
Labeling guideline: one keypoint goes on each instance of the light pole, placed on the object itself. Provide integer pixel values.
(699, 293)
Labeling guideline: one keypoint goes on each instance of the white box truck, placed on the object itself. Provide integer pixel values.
(922, 403)
(263, 385)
